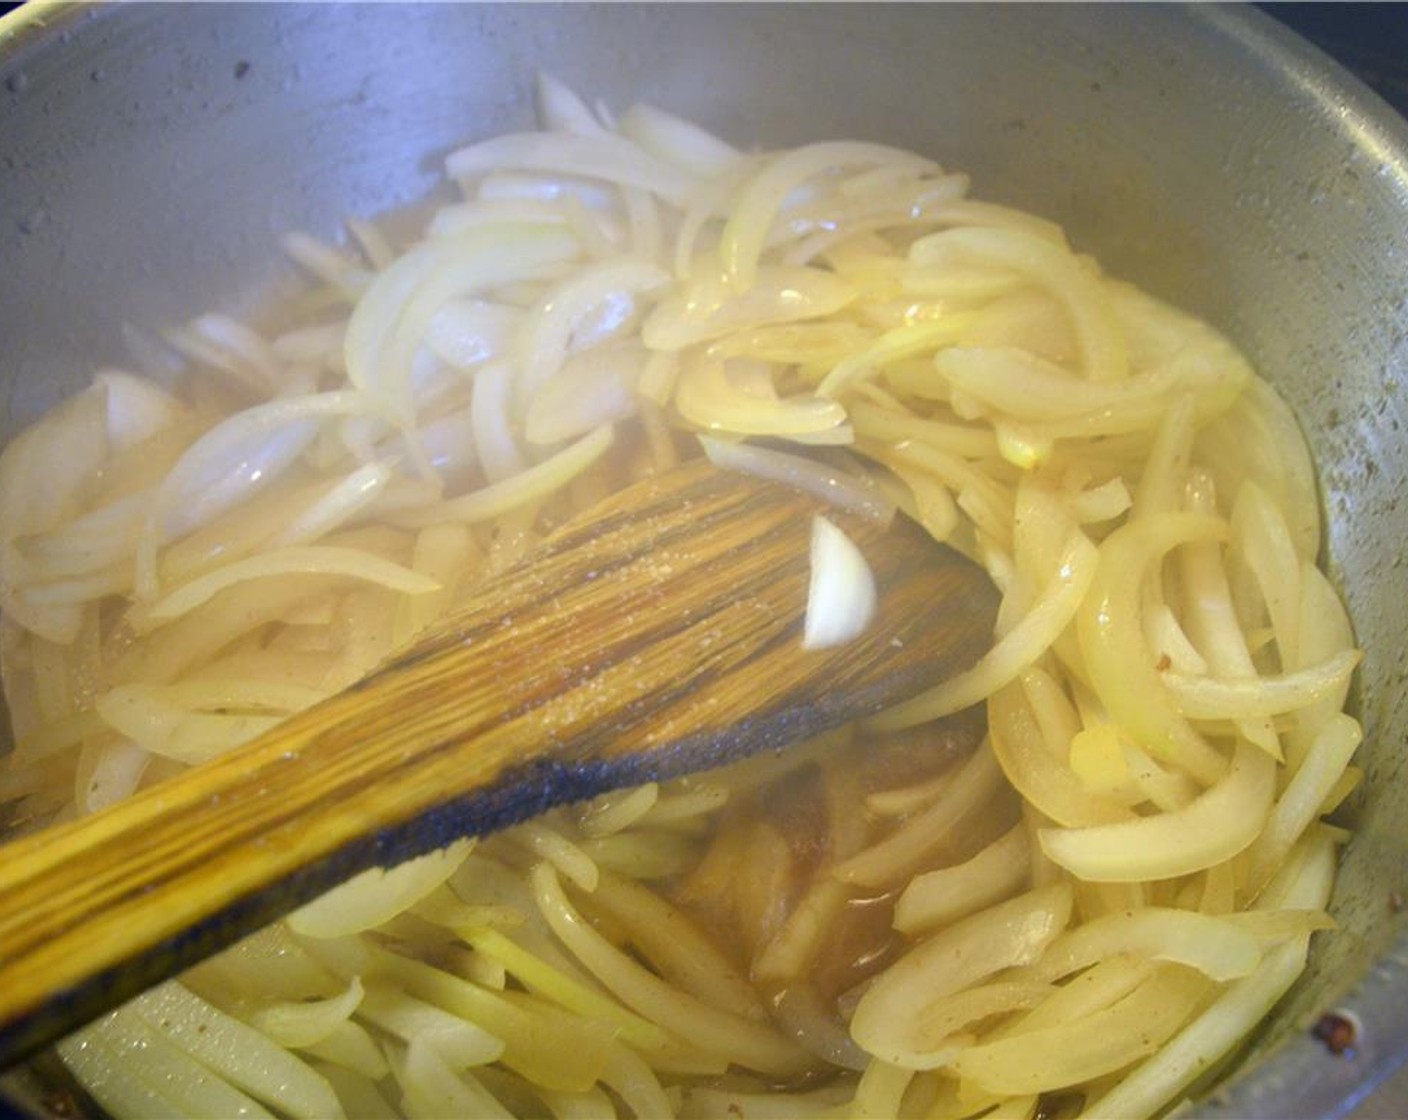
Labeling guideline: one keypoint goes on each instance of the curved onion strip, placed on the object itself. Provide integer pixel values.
(1211, 698)
(1215, 827)
(1300, 802)
(375, 895)
(544, 1044)
(904, 851)
(706, 396)
(240, 1054)
(889, 1021)
(392, 320)
(1068, 279)
(343, 500)
(229, 463)
(430, 1087)
(1108, 1040)
(1261, 542)
(589, 389)
(151, 721)
(63, 448)
(1095, 989)
(539, 976)
(764, 194)
(306, 1022)
(938, 898)
(1038, 775)
(533, 484)
(1013, 383)
(902, 342)
(845, 491)
(1219, 949)
(1204, 1040)
(1120, 665)
(457, 1040)
(332, 560)
(705, 310)
(1259, 439)
(1226, 1023)
(613, 159)
(678, 948)
(946, 1017)
(596, 301)
(678, 141)
(751, 1044)
(560, 109)
(1019, 648)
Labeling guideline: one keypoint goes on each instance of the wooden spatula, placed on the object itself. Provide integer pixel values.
(658, 634)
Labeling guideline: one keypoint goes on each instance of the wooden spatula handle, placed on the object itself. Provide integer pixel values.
(659, 634)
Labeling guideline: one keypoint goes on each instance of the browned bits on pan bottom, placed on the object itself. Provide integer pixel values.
(1338, 1032)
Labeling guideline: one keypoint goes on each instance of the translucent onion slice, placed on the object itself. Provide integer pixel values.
(1012, 382)
(589, 389)
(393, 317)
(841, 595)
(138, 407)
(1213, 828)
(890, 1020)
(376, 895)
(1039, 775)
(707, 396)
(1219, 949)
(938, 898)
(239, 1053)
(593, 305)
(1069, 280)
(458, 1041)
(467, 332)
(1205, 1039)
(845, 491)
(1214, 698)
(64, 449)
(305, 1022)
(613, 159)
(533, 484)
(1018, 649)
(765, 193)
(560, 109)
(1122, 668)
(1101, 1043)
(324, 559)
(678, 142)
(706, 309)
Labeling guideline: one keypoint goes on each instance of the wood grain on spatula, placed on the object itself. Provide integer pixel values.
(657, 634)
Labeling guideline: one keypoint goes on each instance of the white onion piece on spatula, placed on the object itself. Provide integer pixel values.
(841, 595)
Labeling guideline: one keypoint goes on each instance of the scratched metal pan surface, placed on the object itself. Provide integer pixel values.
(151, 156)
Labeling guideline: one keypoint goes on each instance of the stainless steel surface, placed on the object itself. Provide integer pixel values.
(151, 156)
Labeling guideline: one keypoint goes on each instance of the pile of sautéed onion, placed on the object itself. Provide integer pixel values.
(1070, 880)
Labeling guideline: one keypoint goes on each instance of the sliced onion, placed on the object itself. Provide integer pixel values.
(841, 597)
(560, 109)
(854, 493)
(378, 894)
(138, 407)
(678, 142)
(613, 159)
(466, 332)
